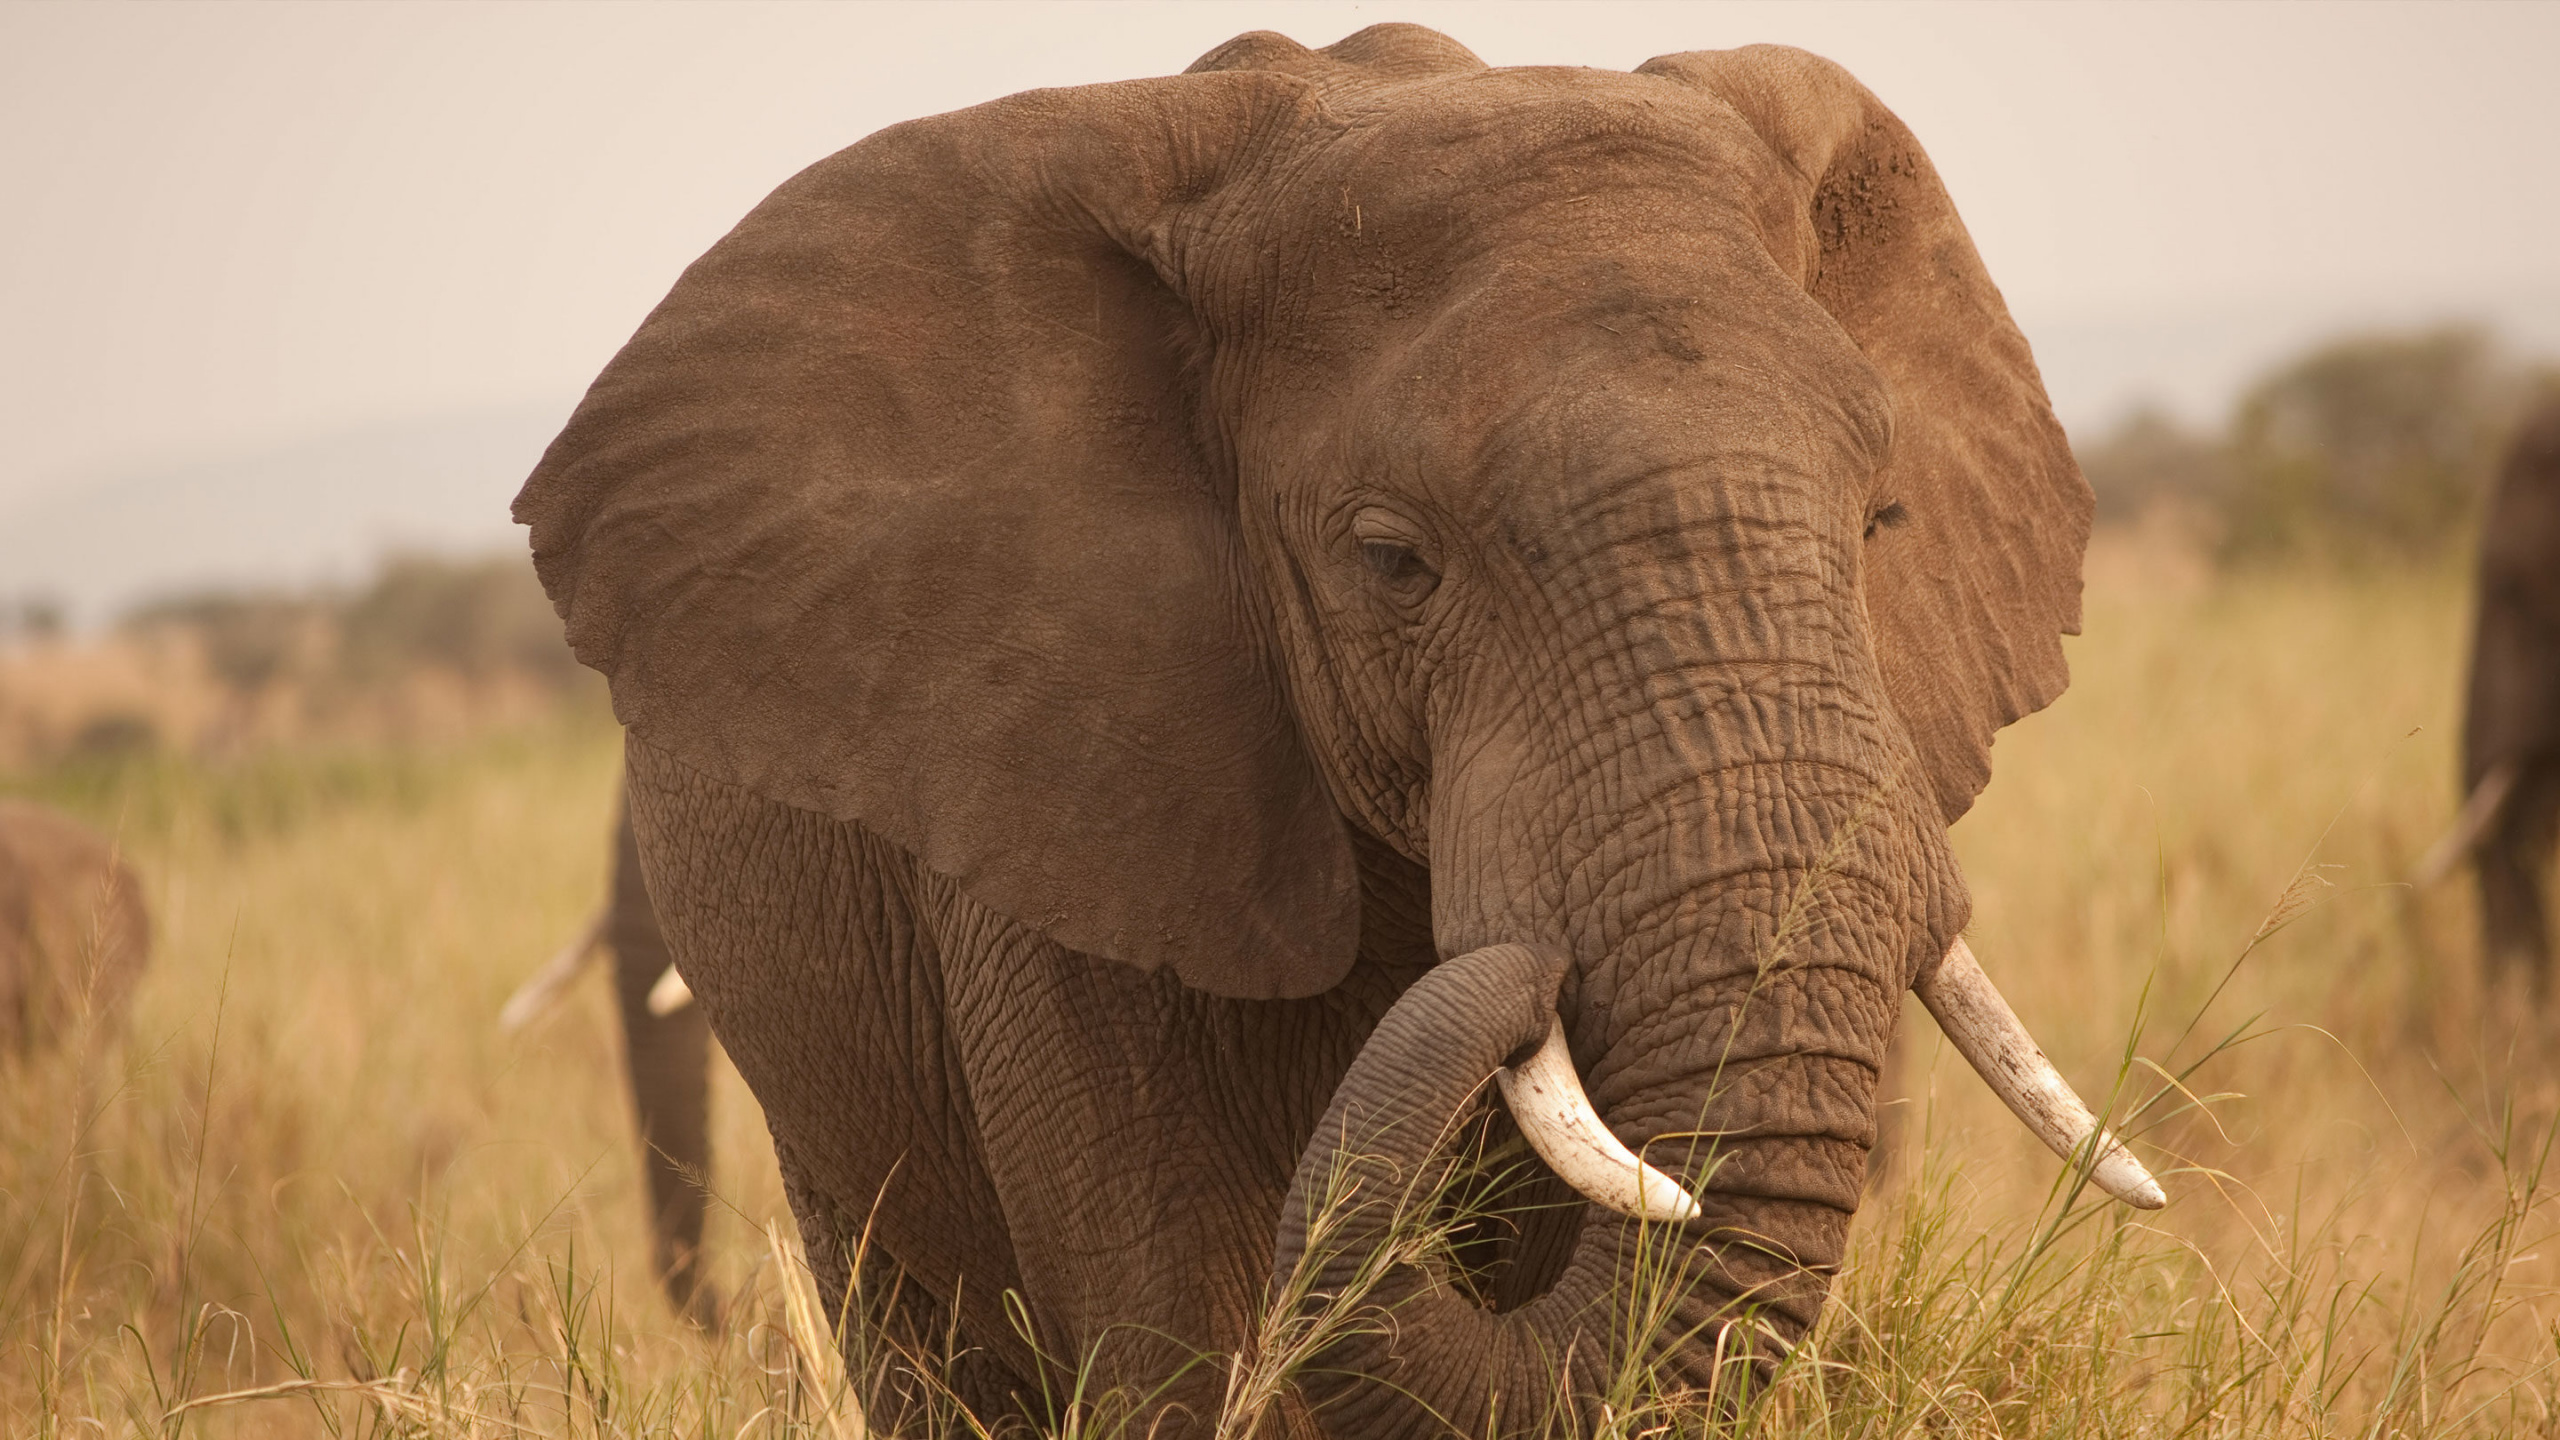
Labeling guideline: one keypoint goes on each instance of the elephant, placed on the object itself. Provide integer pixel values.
(1184, 642)
(74, 933)
(2511, 720)
(666, 1046)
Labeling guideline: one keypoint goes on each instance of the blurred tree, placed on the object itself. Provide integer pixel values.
(2149, 460)
(221, 672)
(2377, 445)
(40, 618)
(30, 619)
(251, 639)
(115, 735)
(474, 617)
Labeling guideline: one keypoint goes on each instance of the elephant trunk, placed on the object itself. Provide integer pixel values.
(1408, 1350)
(1687, 1277)
(1383, 1147)
(1737, 884)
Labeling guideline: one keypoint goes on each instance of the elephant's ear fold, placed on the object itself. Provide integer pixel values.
(901, 508)
(1971, 591)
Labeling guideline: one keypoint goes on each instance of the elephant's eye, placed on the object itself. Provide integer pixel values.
(1886, 517)
(1396, 564)
(1391, 548)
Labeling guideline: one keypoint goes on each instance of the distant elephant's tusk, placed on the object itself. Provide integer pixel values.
(2479, 812)
(539, 993)
(1987, 1033)
(669, 995)
(1556, 1117)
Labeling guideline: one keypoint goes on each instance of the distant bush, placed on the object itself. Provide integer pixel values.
(251, 639)
(2379, 443)
(2150, 461)
(428, 649)
(115, 735)
(477, 619)
(32, 617)
(2367, 447)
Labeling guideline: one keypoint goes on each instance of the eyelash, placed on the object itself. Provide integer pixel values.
(1389, 561)
(1886, 518)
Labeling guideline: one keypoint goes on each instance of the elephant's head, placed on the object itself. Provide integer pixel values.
(1623, 496)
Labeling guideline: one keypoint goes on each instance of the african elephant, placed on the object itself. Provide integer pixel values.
(1171, 631)
(2511, 722)
(74, 934)
(666, 1047)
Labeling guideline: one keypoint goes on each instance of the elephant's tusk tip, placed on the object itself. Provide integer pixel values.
(544, 988)
(1968, 1007)
(670, 994)
(2130, 1182)
(1679, 1208)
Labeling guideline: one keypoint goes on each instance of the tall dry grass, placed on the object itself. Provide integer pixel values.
(315, 1192)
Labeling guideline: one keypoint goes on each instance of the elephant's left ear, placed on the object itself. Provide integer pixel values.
(904, 508)
(1971, 593)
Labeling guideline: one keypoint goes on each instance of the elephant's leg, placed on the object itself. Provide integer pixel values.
(890, 1325)
(1135, 1237)
(669, 1058)
(797, 937)
(1142, 1137)
(2515, 866)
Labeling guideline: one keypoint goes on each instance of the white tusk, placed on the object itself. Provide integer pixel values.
(538, 994)
(670, 994)
(2479, 812)
(1987, 1033)
(1556, 1117)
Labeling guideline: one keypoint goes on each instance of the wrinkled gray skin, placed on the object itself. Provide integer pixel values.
(2513, 714)
(1167, 629)
(668, 1059)
(74, 934)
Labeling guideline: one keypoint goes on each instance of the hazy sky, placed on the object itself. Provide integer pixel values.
(224, 227)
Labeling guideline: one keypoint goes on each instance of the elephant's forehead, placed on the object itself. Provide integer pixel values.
(1482, 276)
(1510, 219)
(1587, 370)
(1447, 157)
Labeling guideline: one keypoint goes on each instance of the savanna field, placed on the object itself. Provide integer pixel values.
(315, 1191)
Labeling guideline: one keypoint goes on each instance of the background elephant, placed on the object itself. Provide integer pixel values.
(74, 934)
(666, 1046)
(2511, 723)
(1170, 630)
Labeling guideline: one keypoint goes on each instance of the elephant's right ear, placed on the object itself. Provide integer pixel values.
(902, 508)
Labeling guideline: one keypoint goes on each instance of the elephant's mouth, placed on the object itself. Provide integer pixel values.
(1559, 1121)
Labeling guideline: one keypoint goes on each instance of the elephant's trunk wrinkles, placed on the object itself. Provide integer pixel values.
(1404, 1351)
(1369, 1174)
(1723, 1266)
(1557, 1118)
